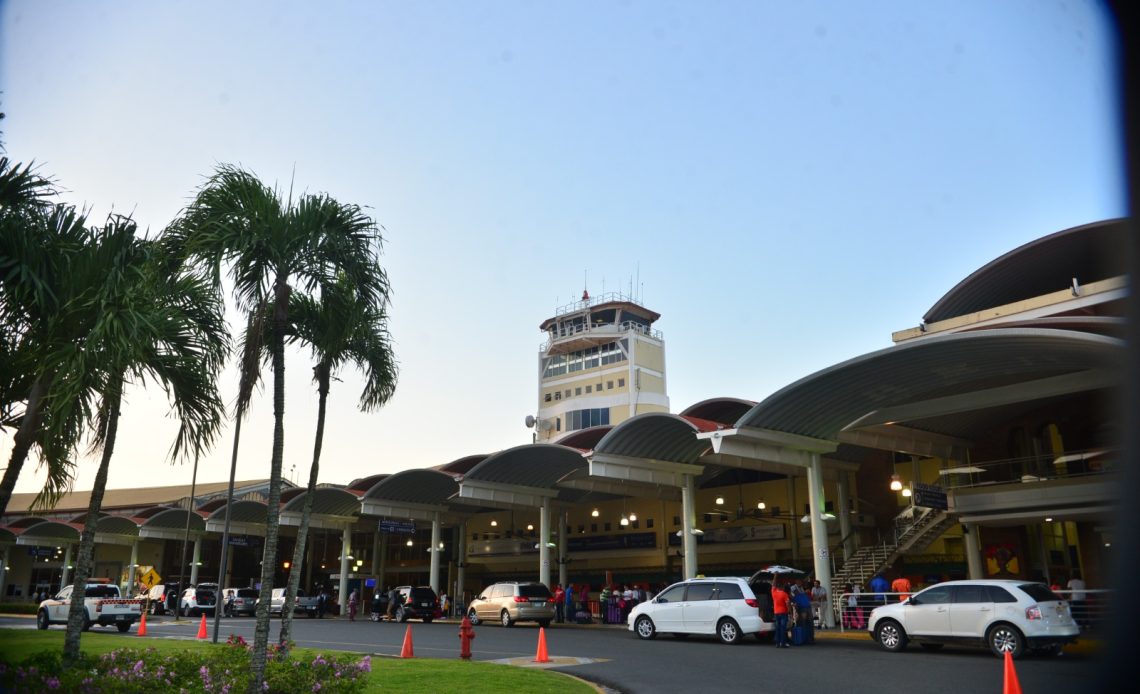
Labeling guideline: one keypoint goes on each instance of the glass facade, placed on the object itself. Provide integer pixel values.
(582, 419)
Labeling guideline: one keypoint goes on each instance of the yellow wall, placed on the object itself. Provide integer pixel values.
(650, 356)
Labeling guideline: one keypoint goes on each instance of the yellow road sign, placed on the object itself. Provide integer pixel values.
(151, 579)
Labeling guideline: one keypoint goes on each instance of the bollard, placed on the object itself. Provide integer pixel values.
(466, 634)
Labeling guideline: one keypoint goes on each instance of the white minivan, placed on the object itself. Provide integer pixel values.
(724, 607)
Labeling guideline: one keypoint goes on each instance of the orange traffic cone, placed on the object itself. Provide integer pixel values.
(407, 651)
(202, 629)
(1012, 686)
(142, 625)
(541, 656)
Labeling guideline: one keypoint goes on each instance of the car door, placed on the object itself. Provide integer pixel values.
(928, 612)
(700, 610)
(61, 606)
(667, 608)
(484, 604)
(971, 611)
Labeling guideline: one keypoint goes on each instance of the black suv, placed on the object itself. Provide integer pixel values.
(418, 602)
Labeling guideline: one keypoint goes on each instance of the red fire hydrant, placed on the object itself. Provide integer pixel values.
(466, 633)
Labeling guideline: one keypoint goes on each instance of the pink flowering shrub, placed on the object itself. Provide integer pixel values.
(212, 671)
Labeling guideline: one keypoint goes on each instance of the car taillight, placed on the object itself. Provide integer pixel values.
(521, 598)
(1033, 612)
(98, 605)
(751, 602)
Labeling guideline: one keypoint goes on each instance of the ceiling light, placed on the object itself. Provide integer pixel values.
(410, 543)
(1049, 520)
(594, 513)
(720, 501)
(896, 483)
(624, 521)
(530, 526)
(494, 523)
(906, 491)
(633, 516)
(761, 505)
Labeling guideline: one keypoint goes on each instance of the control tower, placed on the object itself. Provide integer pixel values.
(602, 363)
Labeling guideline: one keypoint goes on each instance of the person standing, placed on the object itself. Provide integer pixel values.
(1077, 597)
(353, 601)
(568, 601)
(901, 585)
(879, 586)
(559, 604)
(819, 602)
(393, 599)
(780, 611)
(604, 600)
(444, 604)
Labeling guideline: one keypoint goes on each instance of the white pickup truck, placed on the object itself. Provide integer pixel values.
(103, 603)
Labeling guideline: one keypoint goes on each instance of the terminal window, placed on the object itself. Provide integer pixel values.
(583, 419)
(589, 389)
(609, 385)
(547, 397)
(578, 391)
(621, 383)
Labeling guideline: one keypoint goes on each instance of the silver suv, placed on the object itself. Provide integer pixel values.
(513, 601)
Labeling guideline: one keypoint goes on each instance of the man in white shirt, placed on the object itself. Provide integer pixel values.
(819, 602)
(1077, 597)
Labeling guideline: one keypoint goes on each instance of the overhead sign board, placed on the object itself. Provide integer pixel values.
(398, 527)
(930, 496)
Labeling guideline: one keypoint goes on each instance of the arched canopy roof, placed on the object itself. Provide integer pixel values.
(415, 486)
(584, 439)
(363, 484)
(463, 465)
(530, 465)
(333, 507)
(1088, 253)
(109, 525)
(994, 367)
(721, 410)
(657, 435)
(247, 517)
(47, 532)
(170, 524)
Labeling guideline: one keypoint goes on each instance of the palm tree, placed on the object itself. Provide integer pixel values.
(152, 319)
(340, 329)
(43, 278)
(273, 247)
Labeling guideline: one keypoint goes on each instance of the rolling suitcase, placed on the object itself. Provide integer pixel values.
(799, 636)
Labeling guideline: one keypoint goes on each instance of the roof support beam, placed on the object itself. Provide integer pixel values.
(318, 520)
(903, 439)
(636, 489)
(763, 445)
(645, 470)
(390, 508)
(500, 493)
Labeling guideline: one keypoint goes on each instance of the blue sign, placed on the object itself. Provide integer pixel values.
(399, 527)
(41, 551)
(370, 583)
(239, 540)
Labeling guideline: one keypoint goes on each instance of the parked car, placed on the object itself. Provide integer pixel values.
(238, 601)
(724, 607)
(202, 599)
(161, 598)
(417, 602)
(1003, 615)
(102, 603)
(305, 604)
(513, 601)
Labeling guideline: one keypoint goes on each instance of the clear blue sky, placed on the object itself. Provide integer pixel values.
(791, 182)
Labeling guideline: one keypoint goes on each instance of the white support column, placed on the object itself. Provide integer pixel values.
(688, 524)
(195, 561)
(844, 515)
(345, 550)
(460, 564)
(544, 544)
(66, 574)
(819, 532)
(563, 521)
(433, 578)
(973, 551)
(129, 589)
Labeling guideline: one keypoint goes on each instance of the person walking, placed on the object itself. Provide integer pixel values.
(901, 585)
(780, 610)
(559, 604)
(569, 602)
(393, 600)
(1077, 598)
(353, 602)
(819, 603)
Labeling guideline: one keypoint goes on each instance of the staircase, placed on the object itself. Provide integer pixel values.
(915, 529)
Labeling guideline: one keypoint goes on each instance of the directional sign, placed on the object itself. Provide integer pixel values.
(151, 579)
(930, 496)
(399, 527)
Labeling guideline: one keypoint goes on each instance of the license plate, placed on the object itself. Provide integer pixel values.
(120, 618)
(424, 604)
(540, 604)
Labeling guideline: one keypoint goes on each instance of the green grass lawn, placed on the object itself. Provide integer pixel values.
(419, 675)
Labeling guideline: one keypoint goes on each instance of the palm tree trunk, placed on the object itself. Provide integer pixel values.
(273, 520)
(77, 614)
(323, 372)
(22, 442)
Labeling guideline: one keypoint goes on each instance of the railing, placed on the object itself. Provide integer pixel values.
(1028, 469)
(1092, 614)
(603, 298)
(605, 328)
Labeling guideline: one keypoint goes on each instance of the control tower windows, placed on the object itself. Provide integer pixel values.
(582, 419)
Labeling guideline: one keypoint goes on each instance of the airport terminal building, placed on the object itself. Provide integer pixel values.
(981, 443)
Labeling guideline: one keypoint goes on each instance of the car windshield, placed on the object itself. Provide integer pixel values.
(534, 591)
(246, 593)
(1040, 592)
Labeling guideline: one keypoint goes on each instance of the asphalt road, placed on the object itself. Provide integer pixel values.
(615, 658)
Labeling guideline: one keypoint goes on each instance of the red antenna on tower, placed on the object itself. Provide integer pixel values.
(585, 295)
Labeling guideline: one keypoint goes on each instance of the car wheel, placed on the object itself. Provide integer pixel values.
(401, 615)
(472, 617)
(87, 624)
(890, 635)
(1004, 638)
(544, 623)
(505, 619)
(375, 616)
(931, 646)
(728, 631)
(42, 621)
(644, 628)
(123, 627)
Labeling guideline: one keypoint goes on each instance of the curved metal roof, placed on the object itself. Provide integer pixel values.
(1089, 253)
(328, 501)
(722, 410)
(584, 439)
(363, 484)
(175, 518)
(657, 435)
(463, 465)
(242, 512)
(50, 532)
(822, 404)
(415, 486)
(117, 525)
(530, 465)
